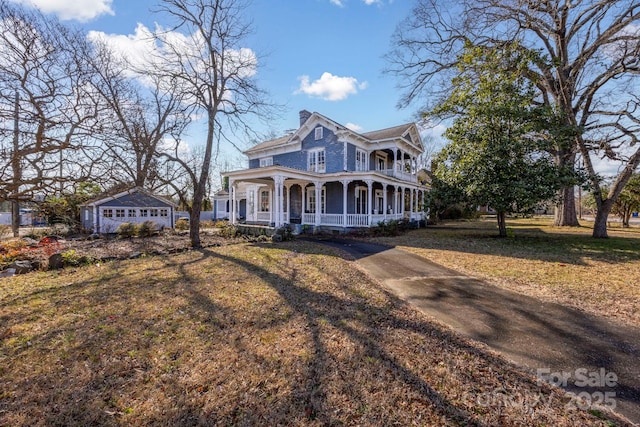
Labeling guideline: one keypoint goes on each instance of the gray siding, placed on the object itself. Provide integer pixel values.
(334, 197)
(86, 217)
(351, 157)
(296, 160)
(334, 157)
(334, 153)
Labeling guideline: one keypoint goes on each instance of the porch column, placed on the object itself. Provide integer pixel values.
(232, 201)
(384, 200)
(369, 197)
(345, 188)
(288, 205)
(318, 188)
(393, 160)
(411, 207)
(395, 201)
(279, 200)
(303, 189)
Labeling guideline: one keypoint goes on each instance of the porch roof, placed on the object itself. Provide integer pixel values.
(267, 174)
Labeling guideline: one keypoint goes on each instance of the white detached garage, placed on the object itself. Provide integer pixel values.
(135, 205)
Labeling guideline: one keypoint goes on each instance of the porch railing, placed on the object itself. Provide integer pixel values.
(331, 219)
(264, 216)
(357, 220)
(353, 220)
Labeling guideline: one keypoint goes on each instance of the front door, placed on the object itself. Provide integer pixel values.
(251, 205)
(361, 200)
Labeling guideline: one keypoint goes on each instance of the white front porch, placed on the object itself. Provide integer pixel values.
(342, 203)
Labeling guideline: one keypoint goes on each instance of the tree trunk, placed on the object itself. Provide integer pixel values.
(626, 216)
(16, 168)
(565, 212)
(502, 224)
(194, 219)
(602, 215)
(15, 218)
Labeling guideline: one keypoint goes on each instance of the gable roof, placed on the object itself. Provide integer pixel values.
(108, 196)
(393, 132)
(378, 135)
(269, 144)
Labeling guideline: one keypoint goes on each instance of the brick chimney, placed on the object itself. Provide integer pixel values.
(304, 116)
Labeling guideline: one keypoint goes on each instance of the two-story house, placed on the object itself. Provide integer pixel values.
(326, 175)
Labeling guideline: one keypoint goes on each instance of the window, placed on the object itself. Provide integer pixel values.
(119, 213)
(311, 200)
(316, 161)
(132, 213)
(86, 215)
(318, 133)
(361, 160)
(107, 213)
(266, 161)
(381, 162)
(144, 213)
(153, 212)
(264, 201)
(164, 212)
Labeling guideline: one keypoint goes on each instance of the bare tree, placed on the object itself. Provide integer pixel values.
(46, 114)
(203, 55)
(588, 67)
(143, 112)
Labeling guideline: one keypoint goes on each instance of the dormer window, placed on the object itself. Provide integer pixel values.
(318, 133)
(316, 161)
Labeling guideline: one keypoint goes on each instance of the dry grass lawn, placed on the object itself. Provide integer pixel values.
(561, 264)
(247, 334)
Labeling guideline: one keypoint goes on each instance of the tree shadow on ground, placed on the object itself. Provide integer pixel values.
(532, 332)
(526, 241)
(142, 348)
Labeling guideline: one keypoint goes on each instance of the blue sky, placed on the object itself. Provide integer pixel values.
(321, 55)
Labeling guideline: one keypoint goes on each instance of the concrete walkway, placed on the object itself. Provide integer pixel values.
(544, 337)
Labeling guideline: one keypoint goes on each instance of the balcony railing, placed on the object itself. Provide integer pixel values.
(405, 176)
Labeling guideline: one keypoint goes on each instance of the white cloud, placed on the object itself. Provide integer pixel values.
(354, 127)
(137, 48)
(337, 2)
(67, 10)
(141, 49)
(329, 87)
